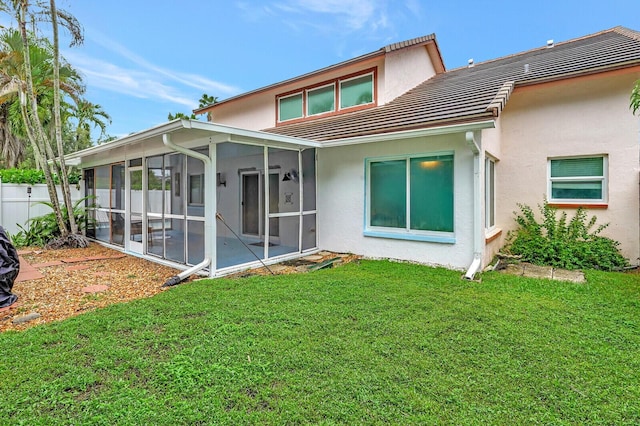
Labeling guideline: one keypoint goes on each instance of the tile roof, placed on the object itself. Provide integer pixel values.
(478, 92)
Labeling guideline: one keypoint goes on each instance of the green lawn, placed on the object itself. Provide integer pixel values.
(369, 343)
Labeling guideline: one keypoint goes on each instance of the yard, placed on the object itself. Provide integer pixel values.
(370, 342)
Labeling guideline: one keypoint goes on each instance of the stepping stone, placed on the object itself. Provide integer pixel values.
(27, 272)
(14, 305)
(312, 258)
(26, 318)
(77, 267)
(278, 268)
(47, 264)
(74, 259)
(97, 288)
(536, 271)
(565, 275)
(324, 253)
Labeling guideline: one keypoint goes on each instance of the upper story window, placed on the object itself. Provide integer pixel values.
(328, 97)
(578, 179)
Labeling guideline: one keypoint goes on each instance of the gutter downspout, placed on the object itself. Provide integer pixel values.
(476, 264)
(208, 224)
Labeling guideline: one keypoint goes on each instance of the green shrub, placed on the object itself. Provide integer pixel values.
(32, 176)
(564, 244)
(43, 229)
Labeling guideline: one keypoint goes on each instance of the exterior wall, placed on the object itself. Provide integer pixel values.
(403, 70)
(583, 116)
(16, 207)
(341, 202)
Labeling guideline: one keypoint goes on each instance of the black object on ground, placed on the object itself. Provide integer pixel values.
(9, 269)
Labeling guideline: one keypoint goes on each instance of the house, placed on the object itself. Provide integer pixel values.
(385, 155)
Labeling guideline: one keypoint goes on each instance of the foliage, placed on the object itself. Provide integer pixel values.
(370, 343)
(41, 230)
(205, 101)
(635, 98)
(568, 244)
(32, 176)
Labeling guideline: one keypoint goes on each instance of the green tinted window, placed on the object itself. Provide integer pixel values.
(357, 91)
(432, 193)
(290, 107)
(573, 167)
(388, 182)
(320, 100)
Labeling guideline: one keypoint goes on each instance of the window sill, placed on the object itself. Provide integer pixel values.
(558, 205)
(444, 239)
(491, 235)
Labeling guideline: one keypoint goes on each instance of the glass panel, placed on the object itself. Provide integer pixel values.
(284, 195)
(117, 228)
(587, 190)
(321, 100)
(195, 242)
(174, 193)
(309, 179)
(289, 230)
(174, 235)
(432, 193)
(196, 185)
(356, 91)
(89, 190)
(490, 192)
(135, 196)
(290, 107)
(103, 226)
(308, 231)
(236, 162)
(571, 167)
(103, 183)
(155, 238)
(117, 186)
(155, 176)
(137, 162)
(388, 193)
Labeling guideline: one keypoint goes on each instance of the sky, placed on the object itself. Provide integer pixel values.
(144, 59)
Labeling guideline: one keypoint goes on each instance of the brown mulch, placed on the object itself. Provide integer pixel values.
(61, 294)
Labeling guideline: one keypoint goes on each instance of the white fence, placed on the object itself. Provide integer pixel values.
(17, 205)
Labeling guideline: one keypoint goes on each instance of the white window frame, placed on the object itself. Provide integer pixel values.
(302, 110)
(313, 89)
(604, 179)
(489, 193)
(373, 91)
(406, 233)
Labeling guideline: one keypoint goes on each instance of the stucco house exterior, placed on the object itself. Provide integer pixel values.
(385, 155)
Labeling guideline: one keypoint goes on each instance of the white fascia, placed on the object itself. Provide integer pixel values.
(406, 134)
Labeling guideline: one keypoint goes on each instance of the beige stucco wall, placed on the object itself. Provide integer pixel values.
(341, 202)
(583, 116)
(397, 72)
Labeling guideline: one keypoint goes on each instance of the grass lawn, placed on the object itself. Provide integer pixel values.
(369, 343)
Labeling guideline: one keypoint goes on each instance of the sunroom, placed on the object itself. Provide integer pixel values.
(202, 197)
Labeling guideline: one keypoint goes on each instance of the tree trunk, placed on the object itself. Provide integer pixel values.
(62, 170)
(32, 120)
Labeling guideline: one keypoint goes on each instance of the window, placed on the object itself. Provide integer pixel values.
(290, 107)
(356, 91)
(321, 100)
(410, 197)
(490, 193)
(353, 91)
(196, 189)
(577, 179)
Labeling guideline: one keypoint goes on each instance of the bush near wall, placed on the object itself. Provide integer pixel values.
(32, 176)
(562, 242)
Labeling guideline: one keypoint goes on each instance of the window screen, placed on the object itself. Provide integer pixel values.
(321, 100)
(290, 107)
(357, 91)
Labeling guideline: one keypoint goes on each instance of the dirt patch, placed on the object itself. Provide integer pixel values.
(61, 293)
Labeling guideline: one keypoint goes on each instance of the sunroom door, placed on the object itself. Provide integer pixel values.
(137, 230)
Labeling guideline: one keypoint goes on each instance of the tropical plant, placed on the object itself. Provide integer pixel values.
(43, 230)
(562, 242)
